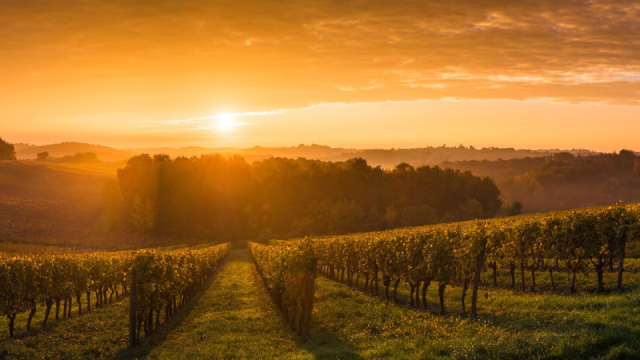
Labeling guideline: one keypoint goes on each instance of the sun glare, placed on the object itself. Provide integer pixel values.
(225, 122)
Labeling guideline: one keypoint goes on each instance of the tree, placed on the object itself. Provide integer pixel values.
(82, 158)
(514, 209)
(391, 216)
(345, 217)
(142, 216)
(43, 156)
(7, 151)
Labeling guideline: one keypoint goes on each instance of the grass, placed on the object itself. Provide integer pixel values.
(96, 335)
(234, 318)
(512, 325)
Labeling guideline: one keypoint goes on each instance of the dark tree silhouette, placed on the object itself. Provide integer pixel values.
(222, 198)
(562, 180)
(43, 156)
(7, 151)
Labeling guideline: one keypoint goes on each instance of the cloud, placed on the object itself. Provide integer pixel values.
(252, 52)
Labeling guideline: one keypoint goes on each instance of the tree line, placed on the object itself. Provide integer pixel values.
(7, 150)
(560, 181)
(226, 198)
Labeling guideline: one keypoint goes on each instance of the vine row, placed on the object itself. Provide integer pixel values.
(288, 272)
(458, 253)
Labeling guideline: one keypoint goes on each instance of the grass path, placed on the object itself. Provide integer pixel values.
(233, 319)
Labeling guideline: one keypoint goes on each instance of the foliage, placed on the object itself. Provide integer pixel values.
(454, 253)
(68, 278)
(288, 271)
(7, 151)
(561, 181)
(142, 215)
(78, 158)
(42, 156)
(55, 278)
(166, 279)
(233, 319)
(227, 198)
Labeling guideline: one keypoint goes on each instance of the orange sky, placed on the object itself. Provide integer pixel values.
(525, 74)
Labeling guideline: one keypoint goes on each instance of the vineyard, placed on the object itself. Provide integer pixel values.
(458, 253)
(165, 278)
(551, 285)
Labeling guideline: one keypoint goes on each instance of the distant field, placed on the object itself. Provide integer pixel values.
(14, 249)
(101, 170)
(58, 204)
(62, 205)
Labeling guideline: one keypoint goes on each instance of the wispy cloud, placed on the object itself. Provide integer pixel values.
(214, 117)
(227, 126)
(205, 122)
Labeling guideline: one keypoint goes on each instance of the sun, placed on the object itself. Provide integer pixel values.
(225, 122)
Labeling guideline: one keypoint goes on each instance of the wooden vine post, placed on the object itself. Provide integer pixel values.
(476, 281)
(307, 309)
(133, 306)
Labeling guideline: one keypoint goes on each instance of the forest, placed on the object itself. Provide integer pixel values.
(562, 180)
(226, 198)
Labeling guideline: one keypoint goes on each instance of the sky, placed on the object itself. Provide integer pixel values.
(350, 73)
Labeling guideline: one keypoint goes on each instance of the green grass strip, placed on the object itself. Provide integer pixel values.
(233, 319)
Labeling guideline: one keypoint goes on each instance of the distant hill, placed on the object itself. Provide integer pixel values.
(104, 153)
(387, 158)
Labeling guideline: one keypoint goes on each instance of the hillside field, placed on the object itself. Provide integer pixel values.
(62, 205)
